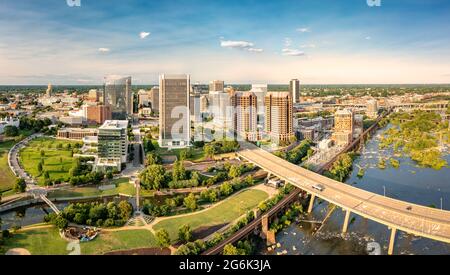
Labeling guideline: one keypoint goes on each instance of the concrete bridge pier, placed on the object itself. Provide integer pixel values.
(392, 241)
(269, 235)
(311, 203)
(347, 217)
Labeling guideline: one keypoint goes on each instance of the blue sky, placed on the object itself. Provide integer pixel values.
(245, 41)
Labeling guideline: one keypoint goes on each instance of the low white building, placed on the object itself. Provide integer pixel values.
(325, 144)
(8, 121)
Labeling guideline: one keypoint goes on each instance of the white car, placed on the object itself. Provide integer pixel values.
(318, 187)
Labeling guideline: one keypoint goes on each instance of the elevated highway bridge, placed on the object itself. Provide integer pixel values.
(395, 214)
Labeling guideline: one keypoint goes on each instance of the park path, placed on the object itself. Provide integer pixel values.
(269, 190)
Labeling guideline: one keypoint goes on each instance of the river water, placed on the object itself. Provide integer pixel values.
(409, 182)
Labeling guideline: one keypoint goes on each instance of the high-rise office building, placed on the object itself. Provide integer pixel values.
(245, 116)
(343, 127)
(216, 86)
(220, 108)
(113, 140)
(174, 115)
(154, 99)
(118, 95)
(372, 109)
(260, 90)
(279, 117)
(294, 90)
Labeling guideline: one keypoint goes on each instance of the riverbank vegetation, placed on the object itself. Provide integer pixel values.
(342, 167)
(298, 154)
(287, 218)
(417, 135)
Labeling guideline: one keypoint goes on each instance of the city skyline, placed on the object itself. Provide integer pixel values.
(238, 41)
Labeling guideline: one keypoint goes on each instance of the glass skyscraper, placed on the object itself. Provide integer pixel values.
(118, 95)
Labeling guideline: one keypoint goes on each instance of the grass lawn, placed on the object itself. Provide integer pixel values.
(197, 153)
(46, 241)
(57, 161)
(119, 240)
(122, 187)
(41, 241)
(7, 178)
(228, 211)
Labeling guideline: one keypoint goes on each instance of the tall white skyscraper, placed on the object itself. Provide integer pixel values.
(294, 89)
(260, 90)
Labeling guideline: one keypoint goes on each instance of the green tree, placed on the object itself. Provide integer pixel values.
(185, 233)
(231, 250)
(46, 175)
(213, 196)
(249, 180)
(39, 167)
(61, 222)
(163, 238)
(20, 186)
(178, 171)
(125, 210)
(190, 202)
(42, 153)
(153, 158)
(109, 175)
(226, 189)
(11, 131)
(209, 150)
(235, 171)
(183, 155)
(153, 177)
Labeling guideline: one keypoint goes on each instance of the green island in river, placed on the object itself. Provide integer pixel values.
(418, 135)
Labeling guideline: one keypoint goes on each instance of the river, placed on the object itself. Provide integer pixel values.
(409, 182)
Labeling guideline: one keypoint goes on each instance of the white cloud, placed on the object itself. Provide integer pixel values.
(255, 50)
(243, 45)
(143, 35)
(303, 30)
(368, 38)
(292, 52)
(236, 44)
(104, 50)
(303, 46)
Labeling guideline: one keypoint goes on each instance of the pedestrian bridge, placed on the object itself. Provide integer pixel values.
(397, 215)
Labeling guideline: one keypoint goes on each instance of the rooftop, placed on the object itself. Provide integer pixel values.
(114, 124)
